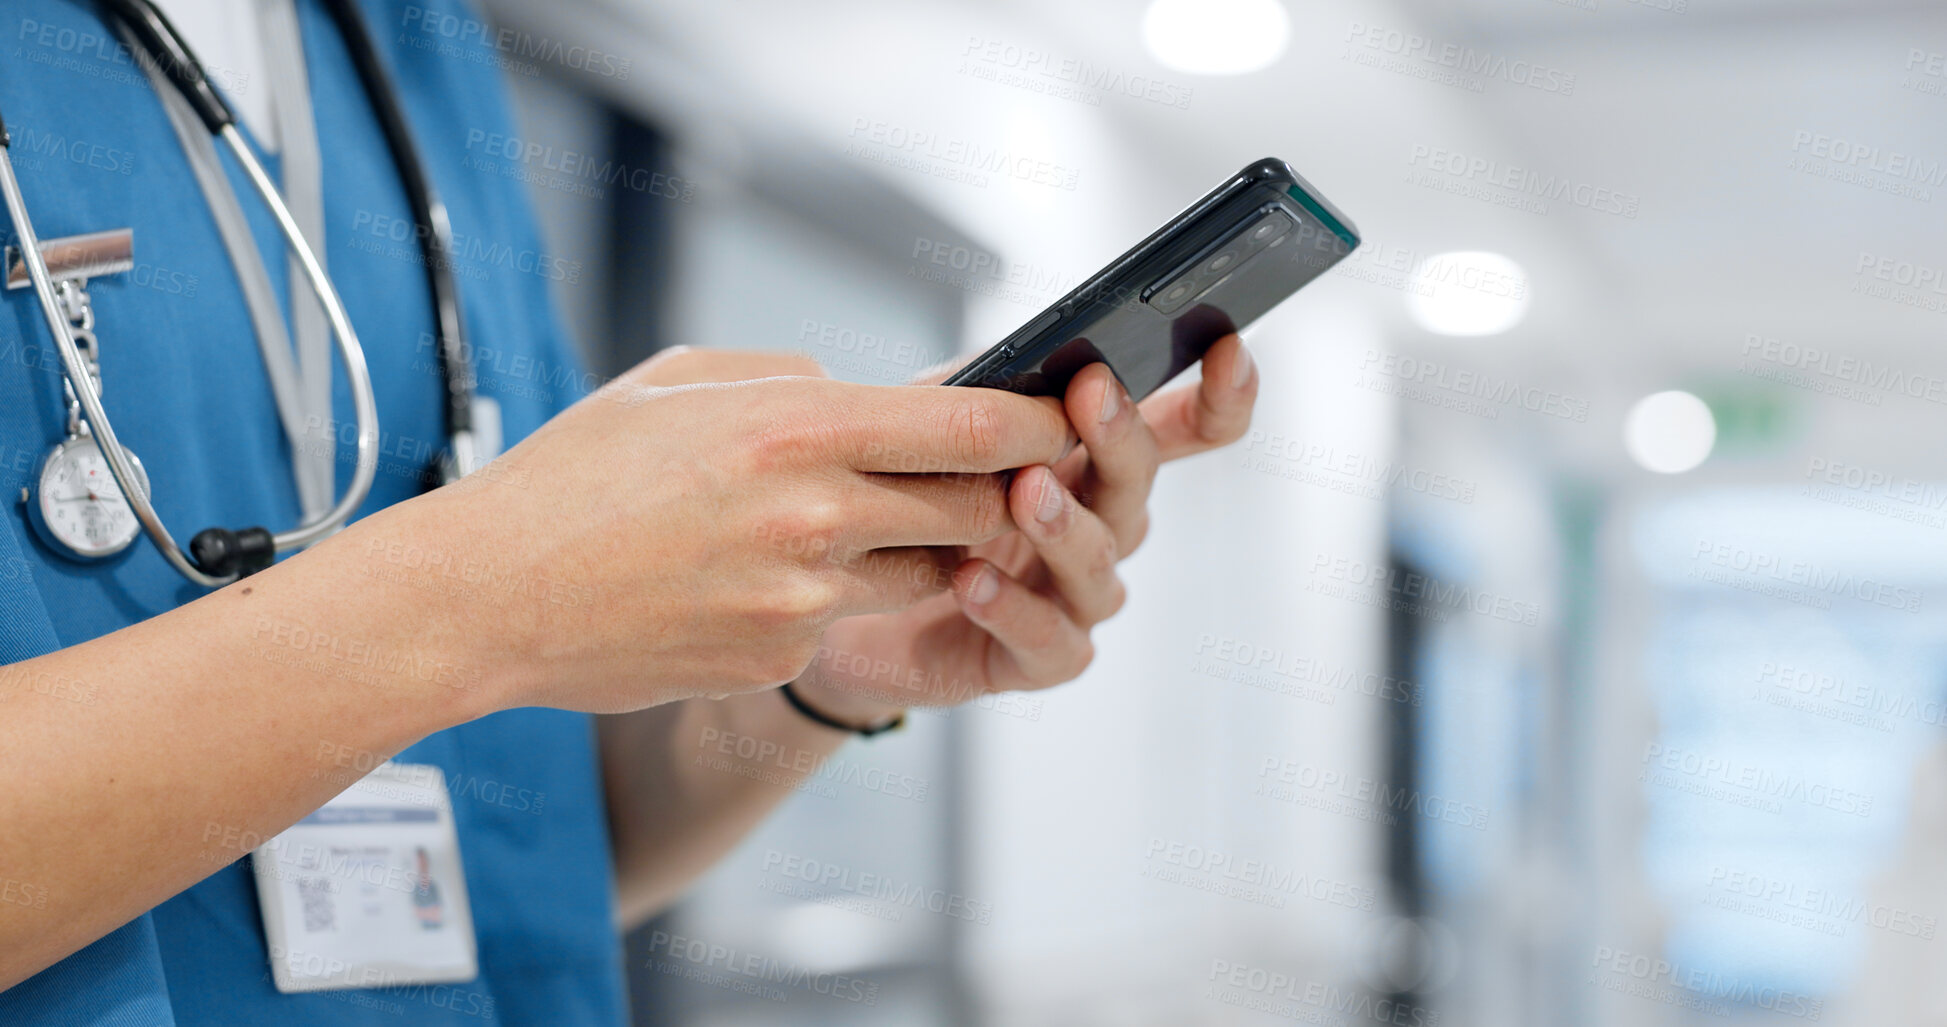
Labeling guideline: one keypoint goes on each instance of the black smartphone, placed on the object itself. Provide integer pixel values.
(1210, 271)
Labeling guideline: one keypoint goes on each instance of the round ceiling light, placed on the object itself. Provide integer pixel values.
(1471, 292)
(1669, 432)
(1216, 37)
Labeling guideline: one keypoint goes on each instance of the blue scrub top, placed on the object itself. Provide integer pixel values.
(183, 380)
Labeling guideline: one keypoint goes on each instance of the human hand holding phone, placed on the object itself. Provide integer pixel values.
(1021, 606)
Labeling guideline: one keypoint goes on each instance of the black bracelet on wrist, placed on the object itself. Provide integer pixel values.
(791, 696)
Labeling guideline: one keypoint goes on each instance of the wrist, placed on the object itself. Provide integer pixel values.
(412, 625)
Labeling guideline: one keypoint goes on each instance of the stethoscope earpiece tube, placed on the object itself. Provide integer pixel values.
(435, 227)
(164, 46)
(365, 407)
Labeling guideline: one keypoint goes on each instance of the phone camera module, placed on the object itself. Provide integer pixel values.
(1270, 228)
(1267, 232)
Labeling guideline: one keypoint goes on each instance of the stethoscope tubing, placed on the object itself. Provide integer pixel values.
(364, 405)
(161, 44)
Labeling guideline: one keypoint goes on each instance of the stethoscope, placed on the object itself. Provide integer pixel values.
(218, 556)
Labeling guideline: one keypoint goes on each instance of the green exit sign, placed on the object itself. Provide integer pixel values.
(1752, 420)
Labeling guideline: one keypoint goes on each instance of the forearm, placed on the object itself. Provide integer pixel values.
(687, 781)
(135, 764)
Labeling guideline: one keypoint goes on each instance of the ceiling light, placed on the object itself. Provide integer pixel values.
(1669, 432)
(1471, 292)
(1216, 37)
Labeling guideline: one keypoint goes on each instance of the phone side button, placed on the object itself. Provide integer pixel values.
(1042, 322)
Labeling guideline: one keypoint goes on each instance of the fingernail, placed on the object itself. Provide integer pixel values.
(986, 585)
(1240, 371)
(1111, 398)
(1047, 506)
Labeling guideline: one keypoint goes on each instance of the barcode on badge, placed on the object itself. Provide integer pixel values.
(320, 912)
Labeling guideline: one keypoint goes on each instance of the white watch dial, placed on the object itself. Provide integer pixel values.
(79, 507)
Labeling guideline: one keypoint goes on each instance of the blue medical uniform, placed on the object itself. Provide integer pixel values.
(184, 382)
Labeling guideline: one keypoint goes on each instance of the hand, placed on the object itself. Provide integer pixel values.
(709, 533)
(1021, 606)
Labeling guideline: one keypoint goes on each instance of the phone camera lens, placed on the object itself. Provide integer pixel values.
(1264, 231)
(1220, 262)
(1176, 292)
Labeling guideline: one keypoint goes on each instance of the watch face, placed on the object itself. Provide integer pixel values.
(79, 508)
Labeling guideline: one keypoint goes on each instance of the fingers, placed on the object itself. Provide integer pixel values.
(1214, 412)
(1122, 454)
(932, 429)
(1077, 547)
(931, 509)
(1035, 643)
(885, 580)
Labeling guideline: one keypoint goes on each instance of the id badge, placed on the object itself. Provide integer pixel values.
(368, 891)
